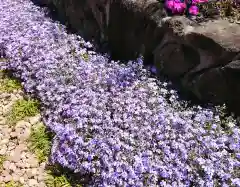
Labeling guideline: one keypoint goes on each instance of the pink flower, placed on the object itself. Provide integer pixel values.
(169, 4)
(193, 10)
(175, 6)
(179, 7)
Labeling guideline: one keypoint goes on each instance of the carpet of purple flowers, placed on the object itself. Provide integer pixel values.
(112, 121)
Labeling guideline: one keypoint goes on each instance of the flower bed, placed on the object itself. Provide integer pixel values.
(112, 121)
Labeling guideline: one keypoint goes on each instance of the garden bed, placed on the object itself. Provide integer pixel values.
(114, 124)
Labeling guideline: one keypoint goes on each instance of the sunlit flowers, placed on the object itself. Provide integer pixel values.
(111, 120)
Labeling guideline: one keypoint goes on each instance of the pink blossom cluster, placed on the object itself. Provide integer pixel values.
(183, 6)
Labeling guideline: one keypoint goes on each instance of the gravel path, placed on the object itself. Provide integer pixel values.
(19, 165)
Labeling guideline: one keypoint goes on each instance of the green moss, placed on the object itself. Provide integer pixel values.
(9, 85)
(58, 176)
(11, 184)
(2, 160)
(23, 108)
(55, 181)
(85, 56)
(208, 126)
(40, 142)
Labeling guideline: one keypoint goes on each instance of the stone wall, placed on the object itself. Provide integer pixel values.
(205, 57)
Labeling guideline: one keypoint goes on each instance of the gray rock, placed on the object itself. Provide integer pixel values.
(204, 66)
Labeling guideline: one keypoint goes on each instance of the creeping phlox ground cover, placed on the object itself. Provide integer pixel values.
(111, 121)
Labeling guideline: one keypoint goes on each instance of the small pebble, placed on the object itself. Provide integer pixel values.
(15, 177)
(12, 167)
(34, 120)
(32, 182)
(22, 180)
(15, 156)
(33, 162)
(6, 165)
(13, 134)
(4, 141)
(7, 178)
(3, 150)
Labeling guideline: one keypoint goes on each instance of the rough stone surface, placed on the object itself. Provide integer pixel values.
(203, 56)
(129, 27)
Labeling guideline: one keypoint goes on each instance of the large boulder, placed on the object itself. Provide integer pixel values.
(200, 46)
(202, 57)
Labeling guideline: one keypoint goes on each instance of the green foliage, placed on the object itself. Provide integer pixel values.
(225, 115)
(57, 181)
(11, 184)
(85, 56)
(2, 160)
(40, 142)
(9, 85)
(59, 177)
(23, 108)
(208, 126)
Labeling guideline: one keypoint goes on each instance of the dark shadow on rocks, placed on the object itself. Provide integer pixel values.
(56, 15)
(3, 54)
